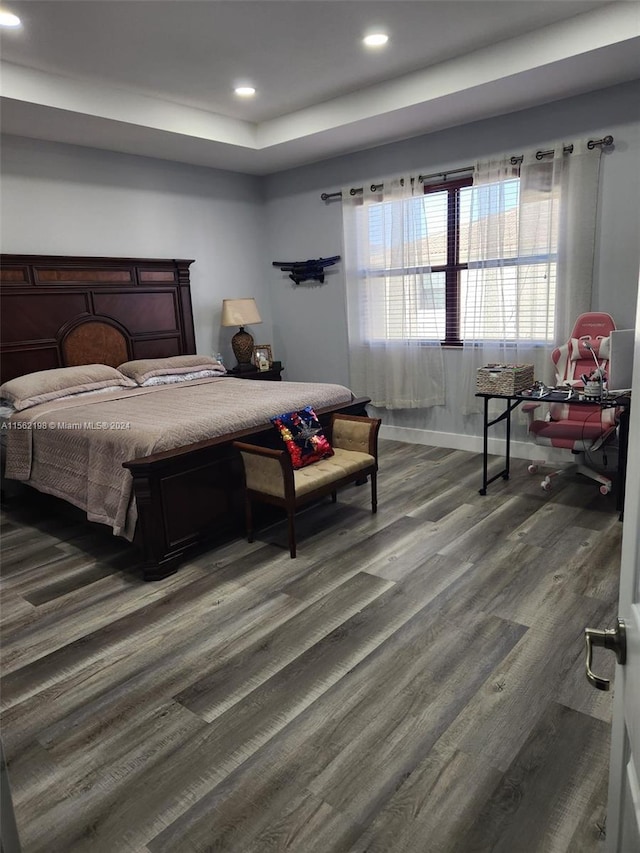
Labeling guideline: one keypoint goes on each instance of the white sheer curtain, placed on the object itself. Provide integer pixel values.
(395, 318)
(530, 249)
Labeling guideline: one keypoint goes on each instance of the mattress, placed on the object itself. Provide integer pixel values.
(75, 448)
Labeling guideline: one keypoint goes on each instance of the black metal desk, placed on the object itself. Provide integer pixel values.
(512, 401)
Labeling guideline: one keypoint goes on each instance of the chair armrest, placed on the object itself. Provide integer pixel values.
(263, 466)
(258, 450)
(354, 432)
(529, 409)
(605, 438)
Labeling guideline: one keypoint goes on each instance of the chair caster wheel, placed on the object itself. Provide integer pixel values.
(546, 484)
(532, 469)
(605, 489)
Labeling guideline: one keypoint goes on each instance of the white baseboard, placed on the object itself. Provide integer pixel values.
(473, 443)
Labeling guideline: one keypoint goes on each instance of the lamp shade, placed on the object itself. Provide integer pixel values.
(240, 312)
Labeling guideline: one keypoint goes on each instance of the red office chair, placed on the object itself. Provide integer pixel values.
(579, 428)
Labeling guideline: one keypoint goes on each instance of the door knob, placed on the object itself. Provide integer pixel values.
(614, 639)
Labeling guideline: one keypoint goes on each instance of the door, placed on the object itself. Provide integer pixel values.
(623, 819)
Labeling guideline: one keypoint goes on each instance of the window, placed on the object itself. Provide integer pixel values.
(462, 262)
(508, 240)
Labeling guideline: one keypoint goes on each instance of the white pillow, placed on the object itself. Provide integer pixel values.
(171, 378)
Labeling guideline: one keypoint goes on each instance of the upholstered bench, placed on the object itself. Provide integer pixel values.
(271, 478)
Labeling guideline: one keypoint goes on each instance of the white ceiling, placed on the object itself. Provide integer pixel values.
(157, 78)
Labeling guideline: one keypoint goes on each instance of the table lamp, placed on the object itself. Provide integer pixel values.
(241, 312)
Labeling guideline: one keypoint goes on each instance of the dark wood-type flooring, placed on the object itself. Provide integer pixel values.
(412, 683)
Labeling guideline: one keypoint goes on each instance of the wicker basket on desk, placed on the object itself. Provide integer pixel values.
(504, 378)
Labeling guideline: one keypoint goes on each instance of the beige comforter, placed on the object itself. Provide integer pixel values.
(75, 448)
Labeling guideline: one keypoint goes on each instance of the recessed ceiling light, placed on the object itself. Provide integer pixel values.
(7, 19)
(245, 91)
(376, 39)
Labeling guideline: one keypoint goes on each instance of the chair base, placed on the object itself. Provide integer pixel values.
(574, 468)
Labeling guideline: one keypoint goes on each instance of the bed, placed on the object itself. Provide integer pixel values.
(158, 459)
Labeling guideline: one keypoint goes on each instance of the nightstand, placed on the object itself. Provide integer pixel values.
(271, 375)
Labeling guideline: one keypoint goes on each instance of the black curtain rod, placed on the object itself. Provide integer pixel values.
(568, 149)
(376, 187)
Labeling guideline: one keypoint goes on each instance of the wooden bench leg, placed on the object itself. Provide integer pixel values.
(248, 514)
(292, 531)
(374, 492)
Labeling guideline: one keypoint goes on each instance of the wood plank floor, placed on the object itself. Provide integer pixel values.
(412, 683)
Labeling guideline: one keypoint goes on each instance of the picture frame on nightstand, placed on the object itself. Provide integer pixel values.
(262, 357)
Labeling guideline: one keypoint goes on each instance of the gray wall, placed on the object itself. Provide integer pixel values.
(63, 199)
(310, 320)
(68, 200)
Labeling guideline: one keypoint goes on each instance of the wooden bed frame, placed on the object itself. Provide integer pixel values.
(58, 311)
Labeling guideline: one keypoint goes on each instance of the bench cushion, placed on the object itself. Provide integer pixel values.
(265, 475)
(341, 464)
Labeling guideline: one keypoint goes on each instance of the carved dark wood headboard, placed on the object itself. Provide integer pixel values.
(59, 310)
